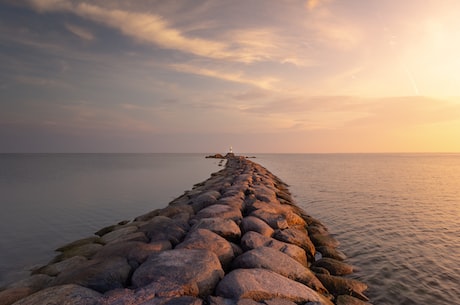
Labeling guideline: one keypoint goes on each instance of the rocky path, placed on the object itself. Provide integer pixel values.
(234, 239)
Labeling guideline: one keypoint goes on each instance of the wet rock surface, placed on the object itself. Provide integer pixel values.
(235, 239)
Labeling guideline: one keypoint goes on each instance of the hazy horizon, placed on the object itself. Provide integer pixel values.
(288, 76)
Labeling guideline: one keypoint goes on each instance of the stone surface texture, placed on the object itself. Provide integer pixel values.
(237, 238)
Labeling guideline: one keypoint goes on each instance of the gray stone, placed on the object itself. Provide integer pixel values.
(221, 211)
(34, 282)
(213, 300)
(205, 239)
(226, 228)
(86, 250)
(169, 211)
(163, 228)
(278, 301)
(55, 269)
(115, 234)
(349, 300)
(252, 223)
(80, 242)
(261, 284)
(98, 274)
(133, 250)
(63, 295)
(252, 240)
(263, 193)
(274, 220)
(331, 252)
(283, 264)
(298, 237)
(324, 240)
(136, 236)
(11, 295)
(183, 271)
(334, 266)
(338, 285)
(235, 200)
(204, 200)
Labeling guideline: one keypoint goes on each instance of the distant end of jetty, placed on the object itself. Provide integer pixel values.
(237, 238)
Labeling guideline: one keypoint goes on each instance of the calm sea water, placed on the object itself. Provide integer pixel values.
(47, 200)
(397, 217)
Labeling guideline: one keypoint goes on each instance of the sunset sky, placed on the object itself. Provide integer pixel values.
(281, 76)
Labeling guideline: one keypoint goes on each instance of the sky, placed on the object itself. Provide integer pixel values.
(262, 76)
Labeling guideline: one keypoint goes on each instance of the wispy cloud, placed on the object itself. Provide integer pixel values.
(81, 32)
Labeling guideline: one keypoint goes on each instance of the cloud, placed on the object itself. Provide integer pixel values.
(80, 32)
(237, 77)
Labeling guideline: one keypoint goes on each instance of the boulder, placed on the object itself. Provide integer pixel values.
(55, 269)
(324, 240)
(184, 271)
(204, 200)
(265, 194)
(136, 236)
(116, 234)
(205, 239)
(133, 250)
(236, 200)
(298, 237)
(35, 282)
(86, 250)
(283, 264)
(163, 228)
(226, 228)
(261, 284)
(331, 253)
(252, 223)
(335, 267)
(98, 274)
(221, 211)
(338, 285)
(66, 295)
(274, 220)
(252, 240)
(80, 242)
(349, 300)
(11, 295)
(169, 211)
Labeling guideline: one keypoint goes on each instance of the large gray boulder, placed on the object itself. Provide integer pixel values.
(163, 228)
(335, 267)
(283, 264)
(118, 233)
(98, 274)
(205, 239)
(338, 285)
(252, 223)
(63, 295)
(56, 268)
(261, 284)
(221, 211)
(252, 240)
(226, 228)
(185, 271)
(298, 237)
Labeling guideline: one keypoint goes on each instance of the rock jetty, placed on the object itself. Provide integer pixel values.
(234, 239)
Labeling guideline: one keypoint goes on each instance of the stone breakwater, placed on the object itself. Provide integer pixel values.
(234, 239)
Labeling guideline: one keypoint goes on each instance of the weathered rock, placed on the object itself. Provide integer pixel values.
(275, 221)
(297, 237)
(80, 242)
(252, 223)
(235, 200)
(11, 295)
(205, 239)
(349, 300)
(334, 266)
(115, 234)
(34, 282)
(133, 250)
(204, 200)
(283, 264)
(226, 228)
(324, 240)
(337, 285)
(221, 211)
(136, 236)
(331, 252)
(163, 228)
(64, 295)
(261, 284)
(252, 240)
(86, 250)
(187, 271)
(98, 274)
(169, 211)
(55, 269)
(263, 193)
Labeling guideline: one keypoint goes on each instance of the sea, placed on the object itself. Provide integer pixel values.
(397, 216)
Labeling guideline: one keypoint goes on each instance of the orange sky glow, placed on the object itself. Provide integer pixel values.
(287, 76)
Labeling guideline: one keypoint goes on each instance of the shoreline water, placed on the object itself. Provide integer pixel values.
(244, 194)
